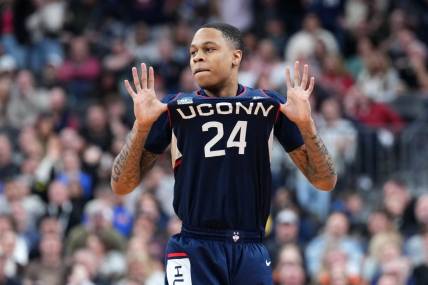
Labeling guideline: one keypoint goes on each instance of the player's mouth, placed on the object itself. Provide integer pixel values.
(199, 70)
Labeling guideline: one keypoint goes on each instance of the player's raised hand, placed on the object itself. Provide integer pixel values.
(147, 107)
(297, 108)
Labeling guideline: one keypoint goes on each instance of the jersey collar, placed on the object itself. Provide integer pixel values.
(241, 90)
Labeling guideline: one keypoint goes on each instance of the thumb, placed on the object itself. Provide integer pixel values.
(283, 107)
(164, 107)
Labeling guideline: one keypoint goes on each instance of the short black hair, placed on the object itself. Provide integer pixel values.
(230, 32)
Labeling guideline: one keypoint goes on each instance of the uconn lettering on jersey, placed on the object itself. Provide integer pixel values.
(224, 108)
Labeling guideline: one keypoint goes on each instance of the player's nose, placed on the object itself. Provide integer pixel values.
(198, 57)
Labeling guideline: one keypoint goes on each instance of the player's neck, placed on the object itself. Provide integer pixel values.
(229, 89)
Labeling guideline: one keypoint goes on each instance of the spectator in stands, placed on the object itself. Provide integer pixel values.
(83, 269)
(268, 66)
(415, 245)
(59, 205)
(80, 70)
(290, 269)
(182, 35)
(303, 43)
(14, 246)
(96, 129)
(378, 222)
(58, 105)
(25, 225)
(16, 252)
(408, 54)
(352, 204)
(26, 101)
(4, 277)
(7, 69)
(386, 257)
(111, 262)
(338, 134)
(49, 268)
(142, 270)
(378, 80)
(336, 268)
(335, 233)
(187, 83)
(372, 114)
(420, 272)
(98, 219)
(70, 139)
(399, 204)
(18, 190)
(120, 57)
(139, 42)
(12, 31)
(72, 172)
(8, 168)
(355, 63)
(50, 226)
(122, 217)
(334, 77)
(44, 26)
(168, 68)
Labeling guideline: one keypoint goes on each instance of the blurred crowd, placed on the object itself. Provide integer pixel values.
(64, 115)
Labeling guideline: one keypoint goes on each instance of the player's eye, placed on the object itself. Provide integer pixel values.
(209, 50)
(193, 53)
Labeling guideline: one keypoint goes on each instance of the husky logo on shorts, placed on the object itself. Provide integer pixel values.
(178, 269)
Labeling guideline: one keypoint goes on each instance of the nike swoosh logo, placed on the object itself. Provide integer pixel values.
(268, 263)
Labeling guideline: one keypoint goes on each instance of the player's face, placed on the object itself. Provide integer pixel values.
(212, 58)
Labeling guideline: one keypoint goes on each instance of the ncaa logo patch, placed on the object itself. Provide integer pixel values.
(185, 101)
(178, 269)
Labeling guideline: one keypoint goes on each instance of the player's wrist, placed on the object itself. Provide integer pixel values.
(307, 128)
(142, 126)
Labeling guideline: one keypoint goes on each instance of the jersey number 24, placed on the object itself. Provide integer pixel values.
(239, 129)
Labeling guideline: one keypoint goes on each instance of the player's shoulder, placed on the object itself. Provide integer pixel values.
(272, 95)
(177, 97)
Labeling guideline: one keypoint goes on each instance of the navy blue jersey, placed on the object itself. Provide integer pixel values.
(220, 148)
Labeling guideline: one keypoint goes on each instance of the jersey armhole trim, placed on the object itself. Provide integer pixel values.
(169, 118)
(278, 112)
(169, 111)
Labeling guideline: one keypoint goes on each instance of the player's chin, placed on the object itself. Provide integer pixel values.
(205, 81)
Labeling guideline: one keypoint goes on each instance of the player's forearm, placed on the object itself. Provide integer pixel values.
(132, 162)
(314, 160)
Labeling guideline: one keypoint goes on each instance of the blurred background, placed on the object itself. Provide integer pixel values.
(64, 115)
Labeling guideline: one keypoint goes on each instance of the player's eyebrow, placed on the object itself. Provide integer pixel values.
(204, 43)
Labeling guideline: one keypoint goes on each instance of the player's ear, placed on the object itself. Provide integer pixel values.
(237, 57)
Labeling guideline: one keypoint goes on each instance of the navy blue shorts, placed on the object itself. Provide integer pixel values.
(217, 258)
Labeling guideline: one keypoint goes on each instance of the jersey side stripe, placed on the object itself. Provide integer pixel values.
(270, 145)
(175, 152)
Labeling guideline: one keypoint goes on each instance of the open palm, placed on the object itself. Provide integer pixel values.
(298, 108)
(147, 107)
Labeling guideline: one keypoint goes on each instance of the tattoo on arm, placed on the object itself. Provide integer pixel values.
(147, 161)
(313, 159)
(133, 161)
